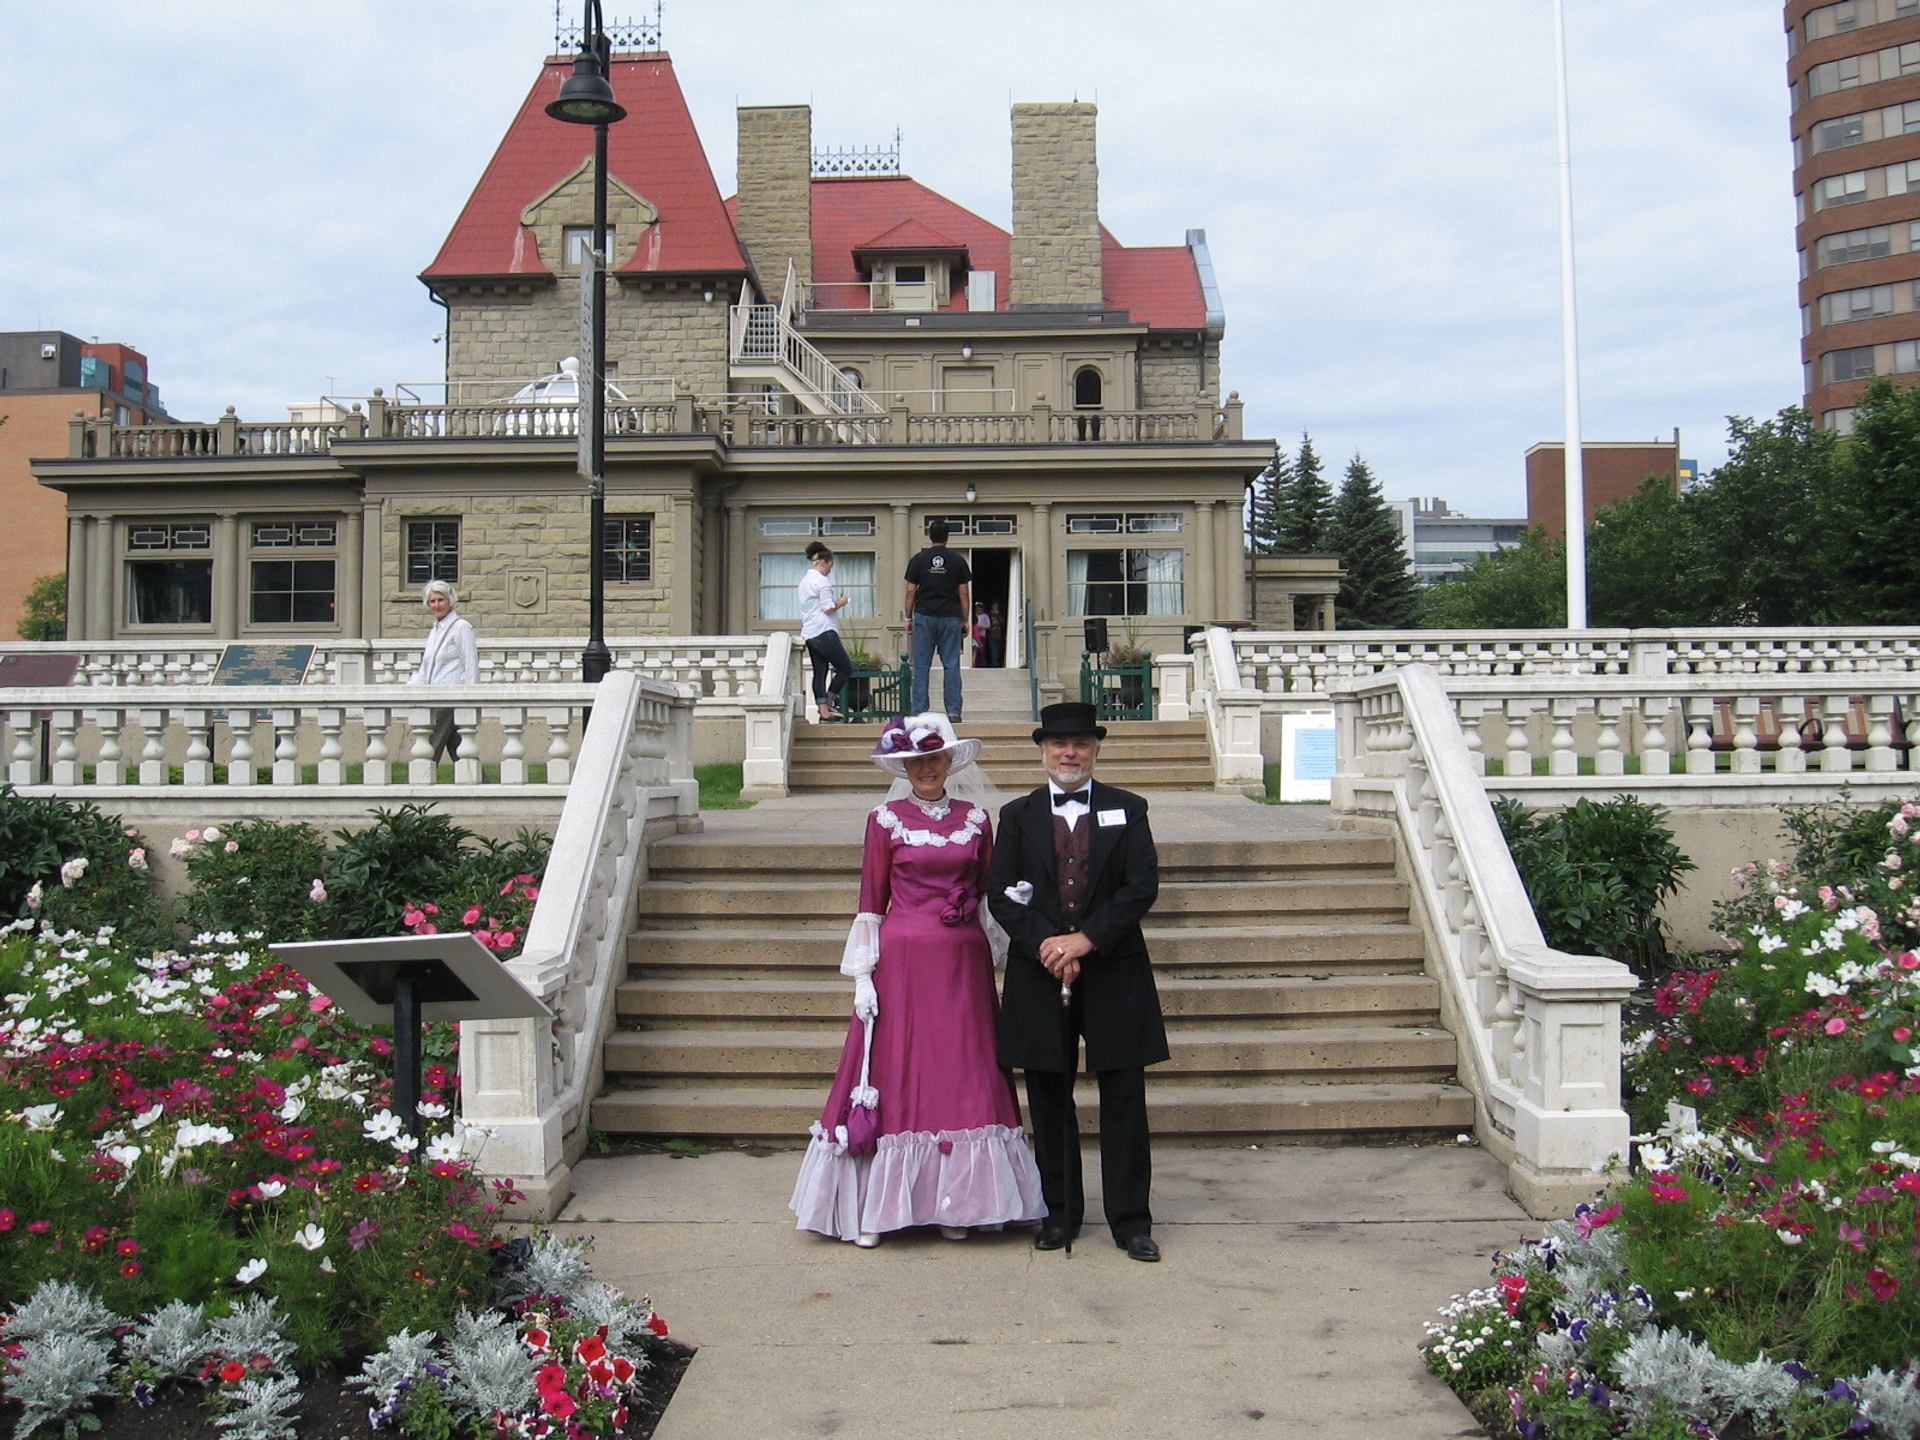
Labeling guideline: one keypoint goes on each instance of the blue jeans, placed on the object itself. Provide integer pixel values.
(937, 633)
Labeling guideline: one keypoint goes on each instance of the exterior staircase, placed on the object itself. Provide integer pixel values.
(1290, 976)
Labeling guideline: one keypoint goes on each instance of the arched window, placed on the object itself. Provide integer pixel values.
(1086, 396)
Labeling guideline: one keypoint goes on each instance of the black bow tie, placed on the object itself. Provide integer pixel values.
(1063, 798)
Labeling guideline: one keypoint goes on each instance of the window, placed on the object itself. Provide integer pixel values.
(1838, 421)
(1832, 19)
(433, 551)
(1841, 74)
(1903, 177)
(284, 585)
(1861, 304)
(1900, 119)
(628, 558)
(780, 572)
(170, 572)
(1906, 357)
(959, 525)
(1838, 134)
(783, 527)
(1126, 582)
(1848, 189)
(1852, 245)
(1148, 522)
(1901, 60)
(1837, 366)
(575, 238)
(910, 274)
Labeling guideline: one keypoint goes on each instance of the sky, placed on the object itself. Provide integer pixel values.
(247, 190)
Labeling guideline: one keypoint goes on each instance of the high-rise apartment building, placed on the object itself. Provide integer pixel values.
(1854, 72)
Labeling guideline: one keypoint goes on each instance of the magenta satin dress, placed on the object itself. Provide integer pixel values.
(951, 1150)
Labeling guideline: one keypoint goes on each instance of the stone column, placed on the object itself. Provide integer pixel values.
(737, 609)
(1040, 564)
(1054, 253)
(680, 587)
(346, 585)
(103, 621)
(713, 568)
(373, 615)
(1326, 612)
(1230, 584)
(77, 610)
(1203, 597)
(892, 569)
(228, 583)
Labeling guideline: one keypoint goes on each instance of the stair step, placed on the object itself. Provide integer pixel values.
(1280, 1001)
(1346, 1054)
(1158, 775)
(1220, 950)
(1264, 1112)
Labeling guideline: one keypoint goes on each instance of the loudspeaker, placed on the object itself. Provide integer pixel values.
(1096, 636)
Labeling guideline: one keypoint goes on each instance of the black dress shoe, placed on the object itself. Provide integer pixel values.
(1140, 1247)
(1051, 1236)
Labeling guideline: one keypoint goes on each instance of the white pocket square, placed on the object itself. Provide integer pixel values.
(1021, 892)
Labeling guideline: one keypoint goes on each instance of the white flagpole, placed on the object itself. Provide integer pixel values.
(1576, 486)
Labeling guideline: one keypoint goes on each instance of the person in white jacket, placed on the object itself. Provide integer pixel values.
(450, 656)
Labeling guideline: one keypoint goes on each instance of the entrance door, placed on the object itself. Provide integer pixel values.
(994, 586)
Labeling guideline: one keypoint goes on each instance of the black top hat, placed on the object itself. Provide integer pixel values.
(1069, 717)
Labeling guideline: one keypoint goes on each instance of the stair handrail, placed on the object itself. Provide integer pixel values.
(770, 716)
(1232, 713)
(1033, 665)
(526, 1084)
(1539, 1029)
(766, 334)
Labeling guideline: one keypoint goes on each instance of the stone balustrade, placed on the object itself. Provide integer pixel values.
(1538, 1029)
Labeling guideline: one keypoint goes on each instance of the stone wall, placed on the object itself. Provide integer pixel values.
(775, 169)
(523, 565)
(1178, 373)
(659, 333)
(1055, 257)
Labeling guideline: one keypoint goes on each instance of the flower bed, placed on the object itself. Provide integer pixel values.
(1756, 1273)
(206, 1200)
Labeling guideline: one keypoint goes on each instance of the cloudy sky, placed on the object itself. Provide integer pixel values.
(247, 189)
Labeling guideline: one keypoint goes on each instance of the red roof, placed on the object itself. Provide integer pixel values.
(655, 152)
(1156, 285)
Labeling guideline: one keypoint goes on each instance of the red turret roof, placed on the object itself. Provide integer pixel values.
(655, 152)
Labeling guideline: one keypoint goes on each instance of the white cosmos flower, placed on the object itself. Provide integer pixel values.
(271, 1189)
(190, 1135)
(41, 1117)
(383, 1126)
(405, 1144)
(309, 1237)
(293, 1109)
(1787, 1237)
(123, 1155)
(251, 1271)
(431, 1110)
(1771, 943)
(147, 1117)
(443, 1147)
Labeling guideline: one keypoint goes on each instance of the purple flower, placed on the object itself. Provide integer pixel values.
(363, 1234)
(1798, 1371)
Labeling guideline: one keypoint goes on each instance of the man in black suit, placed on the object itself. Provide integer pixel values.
(1074, 871)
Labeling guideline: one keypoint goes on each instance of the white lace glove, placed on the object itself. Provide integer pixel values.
(866, 1000)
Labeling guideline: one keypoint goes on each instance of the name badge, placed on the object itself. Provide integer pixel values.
(1113, 817)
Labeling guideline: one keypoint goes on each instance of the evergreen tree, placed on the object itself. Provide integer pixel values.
(1271, 496)
(1305, 518)
(1377, 590)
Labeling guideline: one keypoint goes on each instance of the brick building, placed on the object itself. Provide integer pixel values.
(836, 351)
(1853, 71)
(46, 378)
(1611, 470)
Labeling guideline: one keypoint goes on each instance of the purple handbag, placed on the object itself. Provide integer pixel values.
(863, 1114)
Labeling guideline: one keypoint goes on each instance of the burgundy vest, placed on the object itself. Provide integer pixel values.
(1071, 849)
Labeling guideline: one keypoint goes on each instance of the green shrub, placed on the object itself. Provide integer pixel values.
(1596, 875)
(72, 866)
(1862, 854)
(256, 875)
(405, 856)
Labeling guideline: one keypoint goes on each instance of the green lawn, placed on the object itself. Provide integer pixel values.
(720, 786)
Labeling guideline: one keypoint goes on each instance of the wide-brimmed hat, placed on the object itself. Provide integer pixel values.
(909, 735)
(1069, 717)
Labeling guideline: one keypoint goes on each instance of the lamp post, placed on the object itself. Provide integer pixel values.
(586, 98)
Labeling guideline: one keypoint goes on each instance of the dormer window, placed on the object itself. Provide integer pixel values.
(576, 238)
(912, 285)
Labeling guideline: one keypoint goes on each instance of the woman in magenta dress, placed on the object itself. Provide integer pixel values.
(950, 1150)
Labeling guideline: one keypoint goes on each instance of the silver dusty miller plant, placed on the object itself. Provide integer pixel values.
(553, 1267)
(262, 1407)
(59, 1307)
(1668, 1365)
(1891, 1401)
(57, 1376)
(172, 1341)
(487, 1370)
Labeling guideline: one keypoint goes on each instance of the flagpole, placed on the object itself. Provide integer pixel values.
(1576, 486)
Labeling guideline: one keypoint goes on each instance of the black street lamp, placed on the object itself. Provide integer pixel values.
(586, 98)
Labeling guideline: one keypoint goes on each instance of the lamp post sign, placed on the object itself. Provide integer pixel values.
(590, 391)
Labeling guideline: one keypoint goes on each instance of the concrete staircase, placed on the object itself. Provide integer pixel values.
(1290, 977)
(1137, 755)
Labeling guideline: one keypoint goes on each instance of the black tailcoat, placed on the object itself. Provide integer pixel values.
(1119, 1007)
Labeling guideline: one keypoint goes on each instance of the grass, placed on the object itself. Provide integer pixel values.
(720, 786)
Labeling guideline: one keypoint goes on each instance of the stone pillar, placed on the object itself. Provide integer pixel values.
(1326, 612)
(347, 583)
(228, 583)
(775, 172)
(1230, 585)
(737, 608)
(903, 551)
(1040, 563)
(103, 620)
(77, 616)
(373, 619)
(1055, 254)
(680, 585)
(713, 569)
(1203, 596)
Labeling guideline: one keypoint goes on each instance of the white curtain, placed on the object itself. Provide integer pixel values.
(1077, 582)
(779, 574)
(1166, 571)
(853, 578)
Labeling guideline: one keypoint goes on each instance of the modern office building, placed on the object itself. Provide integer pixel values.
(1440, 542)
(1853, 69)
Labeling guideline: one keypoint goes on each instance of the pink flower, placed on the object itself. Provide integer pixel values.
(319, 892)
(317, 1003)
(485, 937)
(1849, 1235)
(1594, 1220)
(1908, 961)
(1513, 1289)
(232, 847)
(473, 914)
(1836, 1026)
(1883, 1285)
(503, 939)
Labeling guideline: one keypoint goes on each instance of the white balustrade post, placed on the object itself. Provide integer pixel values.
(1880, 756)
(286, 746)
(66, 749)
(23, 758)
(1518, 756)
(1835, 758)
(240, 771)
(198, 769)
(420, 762)
(559, 720)
(1609, 758)
(1746, 738)
(332, 719)
(1562, 757)
(466, 756)
(1790, 712)
(109, 766)
(377, 769)
(1699, 711)
(153, 745)
(513, 745)
(1656, 753)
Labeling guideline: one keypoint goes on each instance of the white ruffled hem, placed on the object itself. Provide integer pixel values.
(963, 1178)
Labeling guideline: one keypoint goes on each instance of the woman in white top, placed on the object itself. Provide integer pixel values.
(449, 657)
(820, 629)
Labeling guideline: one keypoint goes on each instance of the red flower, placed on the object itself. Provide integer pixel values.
(128, 1247)
(130, 1269)
(623, 1371)
(7, 1218)
(363, 1184)
(590, 1349)
(1667, 1194)
(233, 1370)
(1884, 1286)
(658, 1325)
(94, 1239)
(538, 1340)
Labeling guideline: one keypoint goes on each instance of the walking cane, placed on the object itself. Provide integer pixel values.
(1069, 1059)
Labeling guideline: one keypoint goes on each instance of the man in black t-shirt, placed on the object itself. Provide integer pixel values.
(939, 595)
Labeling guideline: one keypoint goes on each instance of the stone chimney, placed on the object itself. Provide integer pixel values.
(775, 172)
(1056, 208)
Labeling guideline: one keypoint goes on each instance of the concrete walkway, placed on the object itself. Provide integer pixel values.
(1292, 1296)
